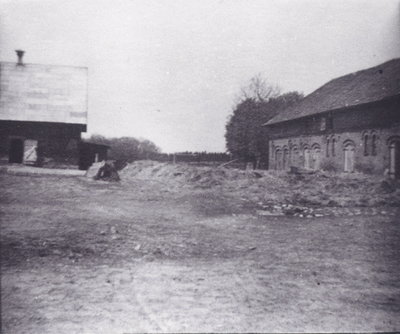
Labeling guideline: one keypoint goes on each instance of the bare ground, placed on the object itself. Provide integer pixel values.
(145, 255)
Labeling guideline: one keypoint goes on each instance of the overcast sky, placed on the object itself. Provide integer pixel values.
(169, 70)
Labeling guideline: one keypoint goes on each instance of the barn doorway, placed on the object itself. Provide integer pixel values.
(349, 158)
(16, 152)
(30, 151)
(394, 159)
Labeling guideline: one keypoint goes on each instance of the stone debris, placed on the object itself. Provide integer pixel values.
(104, 171)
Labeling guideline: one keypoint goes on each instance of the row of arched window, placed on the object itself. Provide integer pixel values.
(311, 157)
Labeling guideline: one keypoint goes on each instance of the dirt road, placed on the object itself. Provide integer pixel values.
(80, 256)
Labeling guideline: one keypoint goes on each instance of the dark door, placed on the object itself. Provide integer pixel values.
(16, 152)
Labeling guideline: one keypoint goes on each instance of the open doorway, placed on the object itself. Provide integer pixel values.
(16, 151)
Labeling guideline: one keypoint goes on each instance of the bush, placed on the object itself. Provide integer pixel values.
(329, 166)
(366, 168)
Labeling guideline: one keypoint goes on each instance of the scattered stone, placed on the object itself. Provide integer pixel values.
(387, 187)
(269, 213)
(113, 230)
(137, 247)
(102, 232)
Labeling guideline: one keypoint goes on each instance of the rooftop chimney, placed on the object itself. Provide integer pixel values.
(20, 54)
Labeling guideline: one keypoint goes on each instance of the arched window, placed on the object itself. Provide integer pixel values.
(316, 157)
(294, 156)
(327, 147)
(394, 157)
(366, 149)
(307, 157)
(285, 159)
(278, 159)
(348, 148)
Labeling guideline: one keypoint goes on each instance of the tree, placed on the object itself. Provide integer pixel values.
(246, 139)
(259, 90)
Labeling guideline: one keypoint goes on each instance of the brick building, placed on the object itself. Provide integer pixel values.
(43, 110)
(352, 123)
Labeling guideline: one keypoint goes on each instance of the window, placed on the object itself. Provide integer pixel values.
(278, 159)
(307, 158)
(285, 163)
(333, 146)
(366, 145)
(294, 159)
(348, 148)
(323, 124)
(327, 148)
(315, 157)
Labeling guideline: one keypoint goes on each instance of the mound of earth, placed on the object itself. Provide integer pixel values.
(271, 187)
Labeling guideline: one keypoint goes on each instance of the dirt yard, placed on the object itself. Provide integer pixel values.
(179, 249)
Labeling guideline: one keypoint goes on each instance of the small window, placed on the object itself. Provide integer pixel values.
(333, 146)
(323, 124)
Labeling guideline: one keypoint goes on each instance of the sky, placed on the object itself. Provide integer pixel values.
(170, 70)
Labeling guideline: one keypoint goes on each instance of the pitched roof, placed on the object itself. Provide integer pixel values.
(370, 85)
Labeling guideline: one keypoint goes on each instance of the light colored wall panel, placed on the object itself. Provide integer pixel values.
(43, 93)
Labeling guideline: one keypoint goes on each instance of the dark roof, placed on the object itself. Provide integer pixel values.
(370, 85)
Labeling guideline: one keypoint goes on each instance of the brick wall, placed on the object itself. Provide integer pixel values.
(368, 129)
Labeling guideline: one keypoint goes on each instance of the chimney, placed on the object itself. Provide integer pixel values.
(20, 54)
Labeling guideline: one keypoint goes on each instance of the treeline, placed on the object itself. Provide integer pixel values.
(128, 149)
(197, 157)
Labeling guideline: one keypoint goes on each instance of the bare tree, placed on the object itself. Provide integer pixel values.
(259, 90)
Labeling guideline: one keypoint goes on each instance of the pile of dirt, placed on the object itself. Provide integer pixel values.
(184, 174)
(272, 187)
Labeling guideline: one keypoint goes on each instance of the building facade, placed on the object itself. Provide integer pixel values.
(43, 111)
(350, 124)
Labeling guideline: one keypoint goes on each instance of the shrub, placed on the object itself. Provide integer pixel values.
(329, 166)
(364, 167)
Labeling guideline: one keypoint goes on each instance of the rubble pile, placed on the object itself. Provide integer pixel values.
(277, 193)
